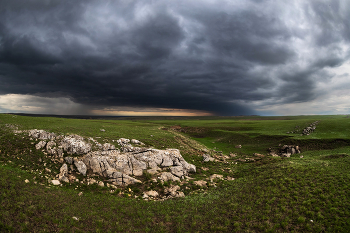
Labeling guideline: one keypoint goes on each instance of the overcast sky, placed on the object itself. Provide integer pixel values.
(181, 57)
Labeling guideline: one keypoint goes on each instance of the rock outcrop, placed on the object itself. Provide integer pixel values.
(310, 129)
(118, 166)
(285, 151)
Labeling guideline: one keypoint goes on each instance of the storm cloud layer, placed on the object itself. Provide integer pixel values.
(223, 57)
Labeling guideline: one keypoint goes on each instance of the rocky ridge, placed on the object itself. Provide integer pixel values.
(306, 131)
(118, 166)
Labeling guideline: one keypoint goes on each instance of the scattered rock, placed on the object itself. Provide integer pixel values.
(200, 183)
(123, 141)
(258, 155)
(285, 151)
(310, 129)
(173, 191)
(55, 182)
(238, 146)
(50, 148)
(102, 130)
(63, 176)
(134, 141)
(288, 150)
(207, 158)
(80, 194)
(215, 176)
(40, 145)
(91, 181)
(26, 180)
(151, 193)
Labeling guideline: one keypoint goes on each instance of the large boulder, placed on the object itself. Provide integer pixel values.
(75, 144)
(81, 167)
(41, 134)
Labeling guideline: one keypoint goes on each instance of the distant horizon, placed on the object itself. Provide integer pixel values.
(126, 116)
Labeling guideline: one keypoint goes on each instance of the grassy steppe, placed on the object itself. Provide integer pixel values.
(309, 194)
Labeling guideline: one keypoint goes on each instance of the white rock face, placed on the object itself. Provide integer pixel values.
(81, 167)
(117, 165)
(138, 160)
(166, 176)
(75, 144)
(41, 134)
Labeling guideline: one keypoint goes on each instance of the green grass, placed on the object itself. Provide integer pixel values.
(309, 194)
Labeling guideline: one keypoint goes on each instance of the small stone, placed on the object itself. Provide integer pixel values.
(102, 130)
(207, 158)
(75, 218)
(80, 194)
(26, 180)
(151, 193)
(55, 182)
(238, 146)
(101, 184)
(200, 183)
(64, 179)
(215, 176)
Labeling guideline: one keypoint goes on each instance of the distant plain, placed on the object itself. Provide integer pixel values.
(308, 192)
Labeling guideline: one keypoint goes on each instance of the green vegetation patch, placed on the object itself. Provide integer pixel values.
(308, 192)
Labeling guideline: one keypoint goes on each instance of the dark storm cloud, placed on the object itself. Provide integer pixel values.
(171, 54)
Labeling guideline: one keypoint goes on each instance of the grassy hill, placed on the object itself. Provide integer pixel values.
(308, 192)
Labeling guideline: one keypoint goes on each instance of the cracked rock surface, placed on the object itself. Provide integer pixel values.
(119, 166)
